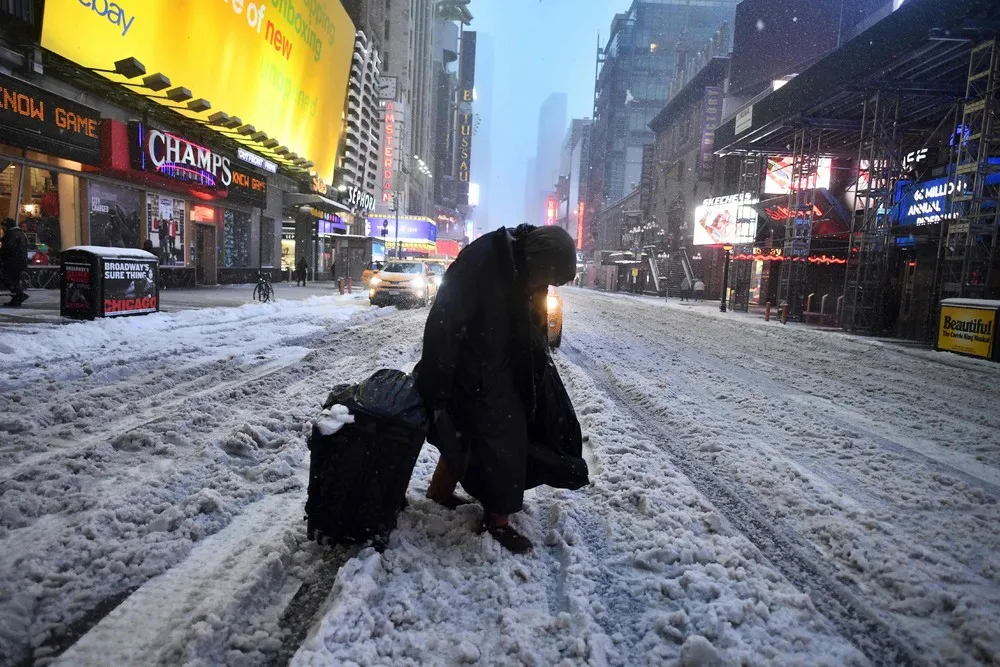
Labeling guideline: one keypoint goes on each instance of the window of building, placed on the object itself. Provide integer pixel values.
(235, 239)
(46, 205)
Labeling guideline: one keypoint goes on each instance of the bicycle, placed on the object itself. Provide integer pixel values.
(263, 292)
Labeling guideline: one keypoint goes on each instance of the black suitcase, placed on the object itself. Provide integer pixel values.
(358, 475)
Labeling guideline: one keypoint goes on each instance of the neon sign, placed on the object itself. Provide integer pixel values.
(181, 159)
(550, 211)
(388, 152)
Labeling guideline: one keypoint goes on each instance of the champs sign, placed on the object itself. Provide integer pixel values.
(181, 159)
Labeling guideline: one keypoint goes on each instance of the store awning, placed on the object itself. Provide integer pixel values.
(314, 199)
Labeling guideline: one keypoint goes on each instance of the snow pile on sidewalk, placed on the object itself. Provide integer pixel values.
(635, 569)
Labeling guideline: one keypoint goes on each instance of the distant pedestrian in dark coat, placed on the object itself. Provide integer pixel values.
(686, 289)
(301, 271)
(13, 261)
(486, 375)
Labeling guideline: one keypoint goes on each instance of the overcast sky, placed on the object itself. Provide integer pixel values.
(540, 47)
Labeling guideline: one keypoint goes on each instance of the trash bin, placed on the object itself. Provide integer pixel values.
(108, 282)
(969, 326)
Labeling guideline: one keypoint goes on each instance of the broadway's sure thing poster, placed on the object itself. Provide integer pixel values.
(166, 228)
(79, 291)
(114, 216)
(129, 287)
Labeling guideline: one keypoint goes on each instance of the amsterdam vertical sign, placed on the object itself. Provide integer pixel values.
(463, 144)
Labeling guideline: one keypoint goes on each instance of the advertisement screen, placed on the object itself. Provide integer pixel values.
(410, 228)
(778, 180)
(166, 227)
(281, 66)
(731, 219)
(114, 216)
(925, 203)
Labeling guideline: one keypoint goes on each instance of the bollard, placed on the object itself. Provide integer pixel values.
(784, 313)
(767, 312)
(340, 286)
(349, 286)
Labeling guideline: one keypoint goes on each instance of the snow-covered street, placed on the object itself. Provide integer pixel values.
(761, 495)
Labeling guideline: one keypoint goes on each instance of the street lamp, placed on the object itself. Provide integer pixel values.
(728, 247)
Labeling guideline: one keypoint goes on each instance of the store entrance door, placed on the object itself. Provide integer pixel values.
(205, 254)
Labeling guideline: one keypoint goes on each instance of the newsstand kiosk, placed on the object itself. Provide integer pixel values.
(108, 282)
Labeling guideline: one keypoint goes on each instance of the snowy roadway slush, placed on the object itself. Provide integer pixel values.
(761, 495)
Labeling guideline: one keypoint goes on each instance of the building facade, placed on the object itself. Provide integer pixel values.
(636, 66)
(548, 154)
(189, 164)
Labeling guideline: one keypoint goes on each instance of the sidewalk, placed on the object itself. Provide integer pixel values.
(755, 317)
(43, 304)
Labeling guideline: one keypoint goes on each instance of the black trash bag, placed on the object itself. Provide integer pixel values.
(555, 446)
(358, 475)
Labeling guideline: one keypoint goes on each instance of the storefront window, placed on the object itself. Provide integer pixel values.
(114, 216)
(44, 202)
(235, 239)
(166, 218)
(287, 250)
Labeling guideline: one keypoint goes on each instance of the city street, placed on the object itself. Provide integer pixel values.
(760, 494)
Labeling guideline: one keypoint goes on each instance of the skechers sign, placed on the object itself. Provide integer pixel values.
(178, 158)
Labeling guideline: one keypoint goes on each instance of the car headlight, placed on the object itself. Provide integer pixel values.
(375, 281)
(417, 284)
(552, 303)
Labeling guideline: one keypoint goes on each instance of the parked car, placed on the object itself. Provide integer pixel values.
(554, 304)
(403, 284)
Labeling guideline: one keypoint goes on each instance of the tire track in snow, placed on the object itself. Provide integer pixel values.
(332, 359)
(798, 562)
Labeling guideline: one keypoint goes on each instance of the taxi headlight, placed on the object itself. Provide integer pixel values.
(552, 303)
(375, 281)
(417, 284)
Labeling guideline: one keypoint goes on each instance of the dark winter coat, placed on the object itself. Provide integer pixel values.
(486, 368)
(13, 253)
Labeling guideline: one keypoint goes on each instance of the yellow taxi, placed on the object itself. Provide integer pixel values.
(403, 283)
(371, 270)
(554, 305)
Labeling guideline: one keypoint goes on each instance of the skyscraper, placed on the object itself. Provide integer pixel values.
(551, 130)
(645, 48)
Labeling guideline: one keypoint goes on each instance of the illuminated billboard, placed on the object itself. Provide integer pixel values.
(779, 179)
(280, 66)
(551, 210)
(721, 220)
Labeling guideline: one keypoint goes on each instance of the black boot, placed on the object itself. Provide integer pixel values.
(507, 536)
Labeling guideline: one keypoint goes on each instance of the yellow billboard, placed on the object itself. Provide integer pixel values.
(279, 65)
(968, 330)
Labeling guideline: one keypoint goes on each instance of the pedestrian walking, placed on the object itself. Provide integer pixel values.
(148, 247)
(699, 290)
(484, 352)
(686, 289)
(13, 261)
(301, 270)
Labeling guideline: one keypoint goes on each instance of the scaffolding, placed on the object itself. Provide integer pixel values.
(799, 222)
(880, 158)
(741, 272)
(970, 239)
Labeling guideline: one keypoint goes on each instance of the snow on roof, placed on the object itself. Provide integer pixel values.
(134, 253)
(971, 303)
